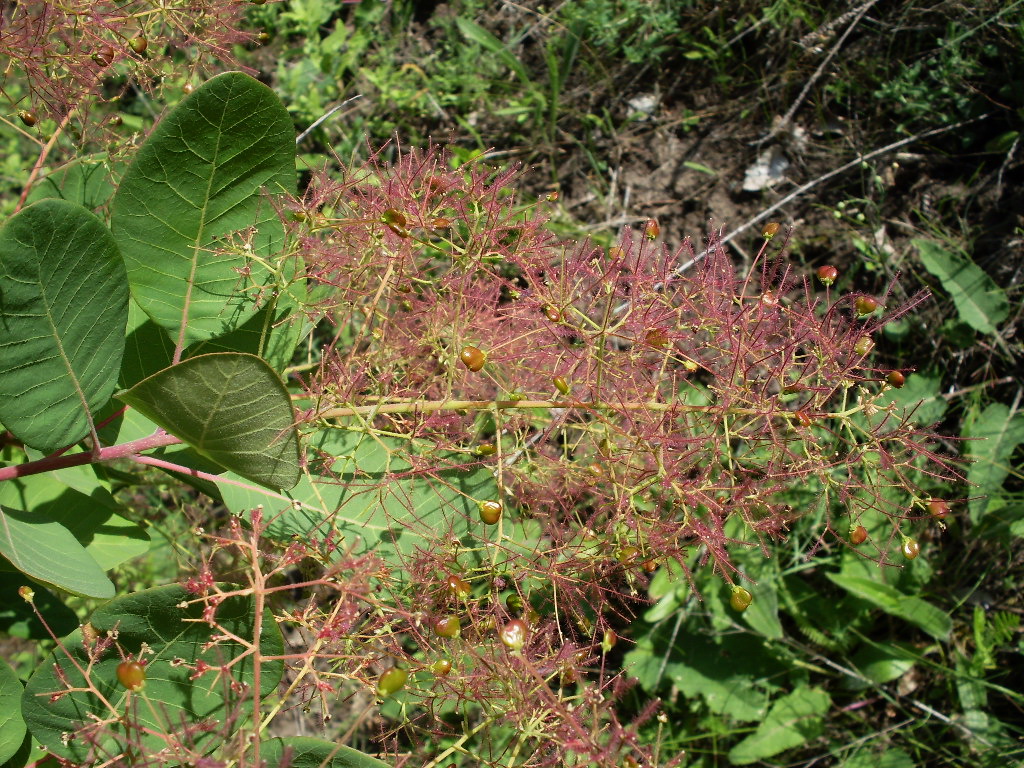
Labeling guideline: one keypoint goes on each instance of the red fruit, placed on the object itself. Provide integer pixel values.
(770, 230)
(865, 305)
(392, 681)
(139, 44)
(910, 548)
(28, 117)
(896, 379)
(740, 599)
(104, 56)
(827, 274)
(552, 314)
(472, 358)
(513, 634)
(858, 535)
(458, 586)
(938, 509)
(652, 229)
(447, 626)
(490, 511)
(132, 675)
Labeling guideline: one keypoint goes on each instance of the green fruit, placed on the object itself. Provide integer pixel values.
(864, 345)
(628, 554)
(514, 603)
(513, 634)
(441, 667)
(132, 675)
(910, 548)
(561, 385)
(392, 681)
(490, 511)
(740, 599)
(447, 626)
(609, 640)
(139, 44)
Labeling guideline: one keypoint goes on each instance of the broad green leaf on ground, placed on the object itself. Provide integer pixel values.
(373, 496)
(890, 758)
(914, 610)
(232, 408)
(980, 302)
(486, 40)
(881, 664)
(63, 305)
(308, 752)
(48, 552)
(92, 519)
(993, 437)
(18, 619)
(12, 725)
(176, 639)
(793, 720)
(730, 673)
(189, 209)
(920, 396)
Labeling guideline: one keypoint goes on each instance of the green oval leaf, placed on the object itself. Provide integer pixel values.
(994, 435)
(91, 518)
(232, 408)
(178, 638)
(981, 303)
(12, 725)
(63, 305)
(189, 206)
(793, 720)
(48, 552)
(914, 610)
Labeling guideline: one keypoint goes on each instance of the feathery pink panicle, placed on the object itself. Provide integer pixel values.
(66, 51)
(659, 406)
(709, 392)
